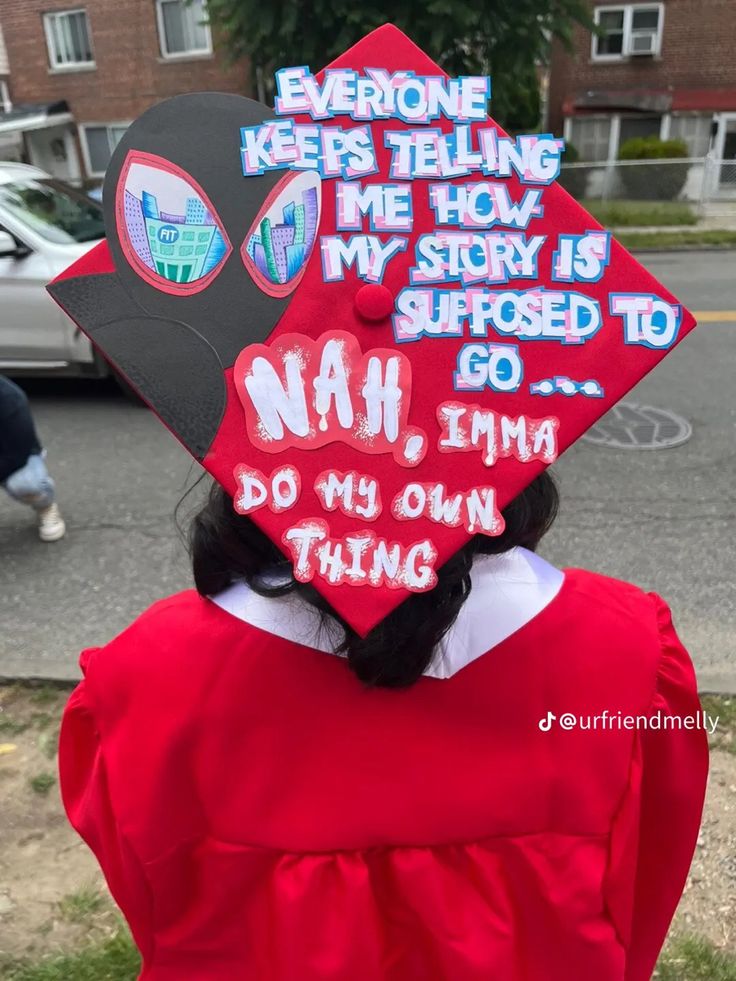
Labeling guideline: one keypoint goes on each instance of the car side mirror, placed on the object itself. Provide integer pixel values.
(10, 247)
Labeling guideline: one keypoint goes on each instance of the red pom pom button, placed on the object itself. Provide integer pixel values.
(374, 302)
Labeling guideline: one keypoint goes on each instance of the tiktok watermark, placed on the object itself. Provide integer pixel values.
(606, 720)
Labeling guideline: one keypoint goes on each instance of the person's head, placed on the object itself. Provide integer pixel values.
(226, 547)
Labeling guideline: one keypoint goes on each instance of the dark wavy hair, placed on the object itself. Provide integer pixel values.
(226, 547)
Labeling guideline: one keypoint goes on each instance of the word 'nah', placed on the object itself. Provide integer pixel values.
(304, 393)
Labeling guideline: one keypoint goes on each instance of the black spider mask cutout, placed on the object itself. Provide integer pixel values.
(206, 261)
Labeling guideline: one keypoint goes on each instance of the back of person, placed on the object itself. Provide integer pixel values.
(514, 850)
(383, 740)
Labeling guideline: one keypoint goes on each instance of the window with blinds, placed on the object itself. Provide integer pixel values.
(68, 39)
(591, 136)
(694, 129)
(182, 28)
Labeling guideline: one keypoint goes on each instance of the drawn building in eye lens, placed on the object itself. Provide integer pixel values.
(136, 226)
(180, 248)
(280, 249)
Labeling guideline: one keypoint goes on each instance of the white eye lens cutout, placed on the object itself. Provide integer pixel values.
(169, 231)
(280, 241)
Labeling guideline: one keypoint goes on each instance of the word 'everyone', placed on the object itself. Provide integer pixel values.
(380, 94)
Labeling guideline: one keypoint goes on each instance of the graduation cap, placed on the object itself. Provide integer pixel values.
(370, 314)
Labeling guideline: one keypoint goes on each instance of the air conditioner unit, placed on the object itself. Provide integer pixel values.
(643, 43)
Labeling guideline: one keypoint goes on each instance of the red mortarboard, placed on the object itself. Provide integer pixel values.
(373, 321)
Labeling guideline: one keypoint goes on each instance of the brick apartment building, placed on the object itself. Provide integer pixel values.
(666, 68)
(74, 75)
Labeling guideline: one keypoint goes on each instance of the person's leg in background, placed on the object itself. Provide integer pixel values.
(23, 471)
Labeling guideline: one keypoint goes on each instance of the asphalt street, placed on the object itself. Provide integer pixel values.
(662, 518)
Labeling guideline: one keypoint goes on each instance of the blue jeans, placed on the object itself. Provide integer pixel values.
(32, 484)
(23, 472)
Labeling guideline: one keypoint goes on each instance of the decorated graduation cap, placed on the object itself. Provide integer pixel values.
(368, 312)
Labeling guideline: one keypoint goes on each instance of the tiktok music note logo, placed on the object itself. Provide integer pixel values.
(545, 723)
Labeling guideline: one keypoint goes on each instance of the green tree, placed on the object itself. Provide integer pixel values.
(506, 39)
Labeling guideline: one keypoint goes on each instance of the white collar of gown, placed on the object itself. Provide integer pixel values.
(508, 591)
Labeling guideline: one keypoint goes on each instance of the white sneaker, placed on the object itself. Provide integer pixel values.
(51, 525)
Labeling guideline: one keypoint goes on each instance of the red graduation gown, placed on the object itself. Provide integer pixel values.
(261, 815)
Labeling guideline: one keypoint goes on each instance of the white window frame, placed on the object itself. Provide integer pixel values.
(615, 121)
(70, 66)
(719, 144)
(709, 117)
(4, 64)
(614, 135)
(5, 100)
(179, 55)
(628, 10)
(82, 130)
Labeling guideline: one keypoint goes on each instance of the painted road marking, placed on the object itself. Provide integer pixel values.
(715, 316)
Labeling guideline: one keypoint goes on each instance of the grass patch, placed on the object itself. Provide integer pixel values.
(23, 708)
(38, 720)
(8, 727)
(695, 959)
(115, 959)
(725, 709)
(41, 720)
(46, 695)
(78, 907)
(48, 742)
(42, 783)
(676, 240)
(619, 214)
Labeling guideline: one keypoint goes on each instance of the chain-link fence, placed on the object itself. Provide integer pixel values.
(706, 183)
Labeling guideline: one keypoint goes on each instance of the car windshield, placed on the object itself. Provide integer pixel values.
(53, 210)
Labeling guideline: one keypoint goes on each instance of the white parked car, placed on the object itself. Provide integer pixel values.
(45, 225)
